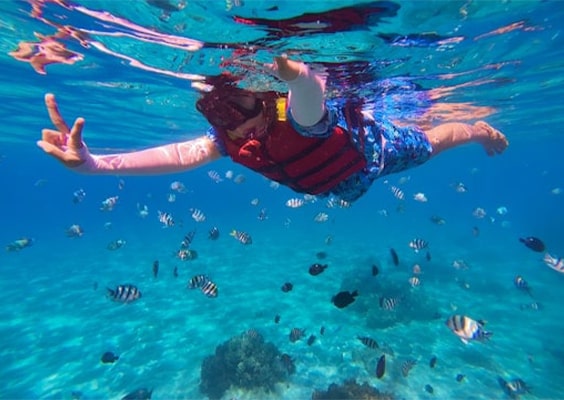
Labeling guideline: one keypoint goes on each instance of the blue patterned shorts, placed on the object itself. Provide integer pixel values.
(387, 148)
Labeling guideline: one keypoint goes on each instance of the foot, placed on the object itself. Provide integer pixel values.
(493, 141)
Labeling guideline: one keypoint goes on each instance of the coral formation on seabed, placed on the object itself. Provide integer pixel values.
(350, 390)
(245, 361)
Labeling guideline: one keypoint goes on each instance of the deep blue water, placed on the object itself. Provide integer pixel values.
(56, 320)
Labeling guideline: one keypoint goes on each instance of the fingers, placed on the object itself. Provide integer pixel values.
(52, 150)
(54, 114)
(75, 138)
(54, 137)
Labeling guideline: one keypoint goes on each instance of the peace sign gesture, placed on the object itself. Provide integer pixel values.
(64, 144)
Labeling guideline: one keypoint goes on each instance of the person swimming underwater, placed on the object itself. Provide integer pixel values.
(298, 139)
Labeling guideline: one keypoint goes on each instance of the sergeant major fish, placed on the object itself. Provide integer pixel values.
(296, 334)
(389, 303)
(126, 293)
(242, 237)
(418, 244)
(204, 283)
(556, 263)
(467, 329)
(109, 203)
(165, 219)
(406, 366)
(368, 342)
(210, 289)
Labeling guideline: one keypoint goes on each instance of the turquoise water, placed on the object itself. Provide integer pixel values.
(56, 320)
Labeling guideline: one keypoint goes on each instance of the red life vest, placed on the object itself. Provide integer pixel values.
(306, 165)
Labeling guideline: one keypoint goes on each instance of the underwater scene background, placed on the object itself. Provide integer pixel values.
(129, 69)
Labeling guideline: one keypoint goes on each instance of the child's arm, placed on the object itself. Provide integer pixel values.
(66, 145)
(165, 159)
(306, 91)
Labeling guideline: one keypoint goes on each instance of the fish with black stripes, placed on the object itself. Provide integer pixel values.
(126, 293)
(203, 283)
(418, 244)
(197, 281)
(368, 342)
(187, 240)
(467, 329)
(241, 237)
(389, 303)
(296, 334)
(166, 219)
(555, 263)
(210, 289)
(406, 366)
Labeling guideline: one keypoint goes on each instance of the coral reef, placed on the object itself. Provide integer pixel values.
(245, 361)
(351, 390)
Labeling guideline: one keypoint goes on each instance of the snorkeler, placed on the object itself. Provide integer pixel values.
(298, 139)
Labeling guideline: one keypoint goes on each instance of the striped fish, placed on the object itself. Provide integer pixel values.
(334, 202)
(406, 366)
(418, 244)
(124, 293)
(397, 192)
(321, 217)
(295, 203)
(165, 219)
(242, 237)
(197, 281)
(185, 244)
(389, 303)
(296, 334)
(214, 176)
(204, 284)
(555, 263)
(186, 254)
(414, 281)
(210, 289)
(368, 342)
(467, 329)
(197, 215)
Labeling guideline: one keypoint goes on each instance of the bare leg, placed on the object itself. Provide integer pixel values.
(453, 134)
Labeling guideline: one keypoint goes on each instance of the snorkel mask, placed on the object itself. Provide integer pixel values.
(223, 107)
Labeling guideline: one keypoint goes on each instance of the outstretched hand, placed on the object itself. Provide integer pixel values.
(287, 69)
(64, 144)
